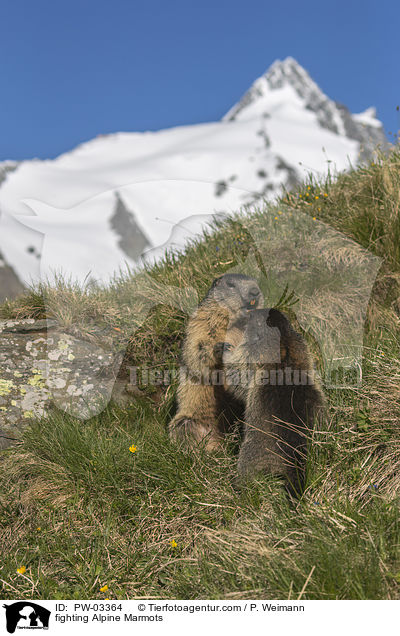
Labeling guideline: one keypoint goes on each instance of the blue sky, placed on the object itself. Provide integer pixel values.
(73, 70)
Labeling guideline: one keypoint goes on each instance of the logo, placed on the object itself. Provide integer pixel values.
(26, 615)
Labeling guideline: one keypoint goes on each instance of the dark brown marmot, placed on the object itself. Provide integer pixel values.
(269, 368)
(205, 410)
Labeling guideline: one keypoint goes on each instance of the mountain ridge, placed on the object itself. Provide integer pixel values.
(283, 127)
(363, 127)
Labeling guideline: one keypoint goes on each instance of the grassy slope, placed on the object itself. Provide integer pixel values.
(80, 511)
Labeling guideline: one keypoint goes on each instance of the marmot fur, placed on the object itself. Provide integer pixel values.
(281, 396)
(205, 410)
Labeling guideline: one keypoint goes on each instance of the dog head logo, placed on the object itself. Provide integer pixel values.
(26, 615)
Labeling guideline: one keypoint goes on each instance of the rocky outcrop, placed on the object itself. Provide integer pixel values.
(42, 368)
(132, 239)
(369, 136)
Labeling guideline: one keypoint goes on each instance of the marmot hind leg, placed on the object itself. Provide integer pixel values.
(196, 420)
(189, 432)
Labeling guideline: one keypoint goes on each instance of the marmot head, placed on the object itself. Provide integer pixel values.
(237, 292)
(269, 341)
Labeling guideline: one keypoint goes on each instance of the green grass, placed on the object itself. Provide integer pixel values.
(80, 511)
(107, 516)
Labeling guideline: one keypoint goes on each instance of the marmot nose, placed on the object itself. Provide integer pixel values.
(254, 292)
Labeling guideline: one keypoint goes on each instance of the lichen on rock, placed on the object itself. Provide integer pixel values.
(44, 368)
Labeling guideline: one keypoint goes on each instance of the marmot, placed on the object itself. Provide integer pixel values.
(205, 410)
(281, 396)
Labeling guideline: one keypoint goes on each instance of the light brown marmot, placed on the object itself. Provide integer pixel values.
(205, 410)
(269, 368)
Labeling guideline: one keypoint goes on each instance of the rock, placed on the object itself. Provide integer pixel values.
(43, 367)
(28, 325)
(131, 238)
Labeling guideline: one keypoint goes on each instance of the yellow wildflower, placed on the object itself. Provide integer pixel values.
(133, 448)
(314, 218)
(173, 543)
(21, 570)
(104, 588)
(275, 218)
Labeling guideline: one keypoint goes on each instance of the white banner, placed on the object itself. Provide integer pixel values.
(210, 616)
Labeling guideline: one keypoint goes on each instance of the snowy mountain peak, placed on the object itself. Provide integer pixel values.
(285, 83)
(289, 71)
(290, 79)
